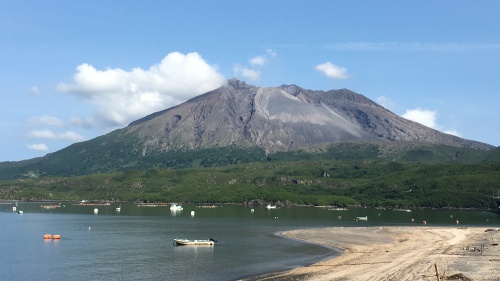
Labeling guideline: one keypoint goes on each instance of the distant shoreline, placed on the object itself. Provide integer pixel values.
(6, 201)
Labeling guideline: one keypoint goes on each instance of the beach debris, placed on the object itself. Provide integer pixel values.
(474, 248)
(458, 276)
(437, 273)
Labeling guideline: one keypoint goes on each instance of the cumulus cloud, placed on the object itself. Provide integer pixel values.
(248, 73)
(80, 122)
(41, 134)
(48, 134)
(423, 116)
(124, 96)
(46, 120)
(37, 147)
(71, 136)
(386, 102)
(428, 118)
(452, 132)
(332, 71)
(253, 73)
(258, 60)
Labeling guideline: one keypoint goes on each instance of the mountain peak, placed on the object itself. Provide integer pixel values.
(237, 84)
(279, 119)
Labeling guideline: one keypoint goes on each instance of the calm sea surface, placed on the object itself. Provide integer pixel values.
(137, 242)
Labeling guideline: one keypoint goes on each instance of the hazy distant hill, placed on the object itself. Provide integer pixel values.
(241, 123)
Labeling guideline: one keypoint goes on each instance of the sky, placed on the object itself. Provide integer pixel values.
(74, 70)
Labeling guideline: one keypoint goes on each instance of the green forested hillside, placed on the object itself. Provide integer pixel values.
(318, 182)
(105, 155)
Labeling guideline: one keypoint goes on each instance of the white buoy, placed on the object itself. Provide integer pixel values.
(192, 213)
(96, 211)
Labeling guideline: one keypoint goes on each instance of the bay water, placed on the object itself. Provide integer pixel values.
(136, 243)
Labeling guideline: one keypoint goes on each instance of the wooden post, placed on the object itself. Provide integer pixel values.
(437, 272)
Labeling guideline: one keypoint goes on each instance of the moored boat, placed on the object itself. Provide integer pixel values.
(175, 207)
(202, 242)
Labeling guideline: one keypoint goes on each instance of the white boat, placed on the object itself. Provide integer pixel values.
(175, 207)
(361, 218)
(187, 242)
(269, 206)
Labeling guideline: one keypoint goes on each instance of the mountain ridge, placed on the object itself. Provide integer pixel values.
(280, 119)
(239, 123)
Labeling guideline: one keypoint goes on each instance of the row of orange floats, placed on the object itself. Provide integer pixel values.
(49, 236)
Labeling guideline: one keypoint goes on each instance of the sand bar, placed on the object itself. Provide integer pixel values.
(401, 253)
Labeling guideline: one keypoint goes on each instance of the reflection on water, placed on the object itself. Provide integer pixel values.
(174, 213)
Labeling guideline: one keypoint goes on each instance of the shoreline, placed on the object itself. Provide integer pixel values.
(335, 252)
(398, 253)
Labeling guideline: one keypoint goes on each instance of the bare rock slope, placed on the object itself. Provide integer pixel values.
(279, 119)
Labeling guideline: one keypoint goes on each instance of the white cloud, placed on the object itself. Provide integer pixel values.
(41, 134)
(34, 90)
(48, 134)
(46, 120)
(271, 53)
(37, 147)
(428, 118)
(386, 102)
(258, 60)
(453, 132)
(332, 71)
(80, 122)
(248, 73)
(124, 96)
(422, 116)
(253, 73)
(71, 136)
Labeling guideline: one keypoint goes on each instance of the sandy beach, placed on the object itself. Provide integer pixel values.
(401, 253)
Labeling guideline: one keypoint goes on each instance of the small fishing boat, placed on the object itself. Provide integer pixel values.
(175, 207)
(187, 242)
(269, 206)
(361, 218)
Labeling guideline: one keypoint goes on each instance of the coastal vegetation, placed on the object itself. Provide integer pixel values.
(311, 181)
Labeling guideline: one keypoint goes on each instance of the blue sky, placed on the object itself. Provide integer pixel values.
(73, 70)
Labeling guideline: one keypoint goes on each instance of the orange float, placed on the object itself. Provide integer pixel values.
(47, 236)
(56, 237)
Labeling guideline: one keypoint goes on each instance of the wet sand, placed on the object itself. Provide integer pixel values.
(400, 253)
